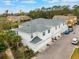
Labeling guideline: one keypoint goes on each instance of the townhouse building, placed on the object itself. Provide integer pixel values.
(37, 34)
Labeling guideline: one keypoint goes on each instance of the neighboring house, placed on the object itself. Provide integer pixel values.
(40, 33)
(24, 18)
(74, 18)
(13, 18)
(18, 18)
(71, 20)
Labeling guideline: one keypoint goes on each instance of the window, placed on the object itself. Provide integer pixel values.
(59, 26)
(56, 27)
(48, 31)
(63, 24)
(43, 33)
(31, 36)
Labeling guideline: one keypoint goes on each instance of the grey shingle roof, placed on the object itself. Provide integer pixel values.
(31, 28)
(39, 25)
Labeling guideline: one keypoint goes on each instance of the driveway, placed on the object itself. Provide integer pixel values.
(60, 49)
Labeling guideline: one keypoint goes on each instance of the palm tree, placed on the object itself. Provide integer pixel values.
(6, 13)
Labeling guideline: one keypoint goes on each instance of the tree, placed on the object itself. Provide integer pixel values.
(49, 12)
(76, 10)
(3, 47)
(10, 38)
(6, 25)
(56, 7)
(21, 13)
(6, 13)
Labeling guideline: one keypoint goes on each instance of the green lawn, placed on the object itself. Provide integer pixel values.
(75, 54)
(3, 18)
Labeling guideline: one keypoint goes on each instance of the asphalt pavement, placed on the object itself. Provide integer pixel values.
(60, 49)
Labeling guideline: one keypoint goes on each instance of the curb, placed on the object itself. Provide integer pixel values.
(72, 53)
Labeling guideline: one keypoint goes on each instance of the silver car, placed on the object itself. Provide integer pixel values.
(75, 41)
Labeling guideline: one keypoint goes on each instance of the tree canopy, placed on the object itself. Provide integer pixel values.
(55, 10)
(8, 39)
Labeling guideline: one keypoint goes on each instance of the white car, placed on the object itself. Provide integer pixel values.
(75, 41)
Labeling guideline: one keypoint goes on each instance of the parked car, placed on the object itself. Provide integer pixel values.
(75, 41)
(70, 29)
(66, 32)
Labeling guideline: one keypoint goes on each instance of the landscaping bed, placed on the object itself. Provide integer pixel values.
(23, 53)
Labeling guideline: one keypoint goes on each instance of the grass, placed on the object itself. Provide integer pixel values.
(75, 55)
(3, 18)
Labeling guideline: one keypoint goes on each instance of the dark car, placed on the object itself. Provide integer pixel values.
(70, 29)
(67, 32)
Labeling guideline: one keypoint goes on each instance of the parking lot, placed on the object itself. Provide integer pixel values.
(60, 49)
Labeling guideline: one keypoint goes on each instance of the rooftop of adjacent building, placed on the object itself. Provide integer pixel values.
(64, 17)
(16, 18)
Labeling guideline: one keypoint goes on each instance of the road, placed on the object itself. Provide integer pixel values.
(60, 49)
